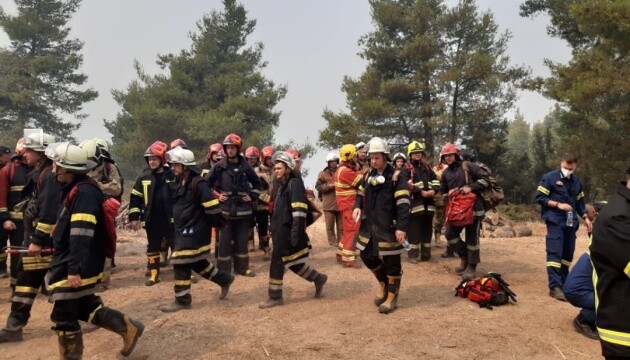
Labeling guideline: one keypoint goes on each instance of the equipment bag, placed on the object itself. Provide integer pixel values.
(459, 208)
(493, 194)
(110, 208)
(487, 291)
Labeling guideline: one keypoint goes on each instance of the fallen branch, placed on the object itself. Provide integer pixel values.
(561, 354)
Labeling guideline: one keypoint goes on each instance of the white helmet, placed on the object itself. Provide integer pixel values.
(70, 157)
(284, 157)
(37, 140)
(378, 145)
(332, 156)
(182, 156)
(92, 149)
(360, 145)
(102, 144)
(400, 155)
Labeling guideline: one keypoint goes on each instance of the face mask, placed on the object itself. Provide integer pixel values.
(376, 180)
(566, 173)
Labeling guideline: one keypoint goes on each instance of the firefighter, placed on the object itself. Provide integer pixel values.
(110, 183)
(79, 257)
(194, 209)
(215, 154)
(39, 218)
(288, 228)
(384, 206)
(399, 161)
(347, 179)
(13, 178)
(325, 187)
(361, 159)
(265, 173)
(150, 207)
(423, 185)
(438, 219)
(237, 186)
(178, 143)
(454, 177)
(5, 157)
(561, 200)
(252, 156)
(610, 256)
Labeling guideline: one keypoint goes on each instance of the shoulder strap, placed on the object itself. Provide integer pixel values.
(11, 170)
(465, 167)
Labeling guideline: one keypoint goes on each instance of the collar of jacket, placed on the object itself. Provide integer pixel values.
(623, 190)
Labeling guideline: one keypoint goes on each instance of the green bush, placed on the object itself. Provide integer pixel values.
(520, 212)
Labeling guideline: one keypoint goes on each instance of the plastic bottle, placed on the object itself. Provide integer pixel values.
(406, 245)
(570, 219)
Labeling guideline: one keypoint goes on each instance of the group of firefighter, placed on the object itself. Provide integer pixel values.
(382, 207)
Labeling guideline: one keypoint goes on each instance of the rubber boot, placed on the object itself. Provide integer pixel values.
(381, 276)
(271, 303)
(319, 284)
(224, 279)
(391, 303)
(425, 253)
(154, 269)
(113, 320)
(264, 246)
(448, 253)
(70, 344)
(164, 260)
(174, 307)
(12, 332)
(437, 234)
(463, 264)
(470, 272)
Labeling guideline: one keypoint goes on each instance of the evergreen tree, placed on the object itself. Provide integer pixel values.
(39, 79)
(213, 89)
(516, 173)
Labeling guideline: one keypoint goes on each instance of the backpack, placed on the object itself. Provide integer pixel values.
(488, 291)
(108, 168)
(110, 208)
(493, 194)
(459, 208)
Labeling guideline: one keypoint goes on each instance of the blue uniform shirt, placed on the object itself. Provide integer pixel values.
(554, 186)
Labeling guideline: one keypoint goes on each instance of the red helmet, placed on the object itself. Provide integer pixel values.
(214, 148)
(178, 142)
(449, 148)
(294, 154)
(220, 154)
(158, 149)
(252, 152)
(232, 139)
(266, 153)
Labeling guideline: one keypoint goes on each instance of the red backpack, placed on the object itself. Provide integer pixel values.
(110, 208)
(459, 208)
(488, 291)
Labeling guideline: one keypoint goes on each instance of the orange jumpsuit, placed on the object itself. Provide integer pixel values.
(347, 181)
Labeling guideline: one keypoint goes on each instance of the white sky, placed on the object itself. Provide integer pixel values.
(309, 46)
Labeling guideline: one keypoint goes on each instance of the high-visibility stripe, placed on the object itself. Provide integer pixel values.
(580, 195)
(401, 193)
(627, 269)
(84, 282)
(614, 337)
(83, 217)
(346, 192)
(210, 203)
(17, 188)
(3, 209)
(554, 264)
(134, 210)
(16, 215)
(403, 201)
(82, 232)
(543, 190)
(357, 180)
(566, 263)
(145, 191)
(26, 289)
(93, 313)
(183, 282)
(45, 228)
(275, 281)
(136, 192)
(299, 205)
(295, 256)
(190, 252)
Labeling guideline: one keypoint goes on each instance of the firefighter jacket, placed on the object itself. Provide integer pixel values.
(144, 199)
(46, 198)
(325, 186)
(206, 166)
(288, 220)
(554, 186)
(265, 174)
(422, 178)
(235, 180)
(439, 198)
(195, 210)
(385, 208)
(108, 179)
(610, 255)
(79, 240)
(13, 178)
(347, 181)
(454, 177)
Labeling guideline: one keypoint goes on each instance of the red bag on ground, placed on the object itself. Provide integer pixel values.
(459, 209)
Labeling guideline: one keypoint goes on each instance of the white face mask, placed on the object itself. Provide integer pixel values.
(566, 173)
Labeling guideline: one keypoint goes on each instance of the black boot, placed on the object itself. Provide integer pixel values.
(391, 303)
(448, 253)
(113, 320)
(425, 253)
(319, 284)
(163, 254)
(470, 272)
(381, 276)
(462, 266)
(224, 280)
(70, 344)
(12, 332)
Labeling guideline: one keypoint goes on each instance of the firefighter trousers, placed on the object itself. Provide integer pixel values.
(182, 272)
(277, 269)
(233, 246)
(419, 233)
(347, 245)
(560, 245)
(469, 249)
(14, 238)
(26, 289)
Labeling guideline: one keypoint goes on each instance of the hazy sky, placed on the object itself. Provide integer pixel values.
(309, 46)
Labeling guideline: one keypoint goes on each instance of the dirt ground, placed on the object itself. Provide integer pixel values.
(430, 322)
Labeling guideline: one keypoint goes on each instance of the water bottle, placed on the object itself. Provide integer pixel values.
(570, 219)
(406, 245)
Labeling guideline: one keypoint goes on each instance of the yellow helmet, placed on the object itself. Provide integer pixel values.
(346, 153)
(413, 147)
